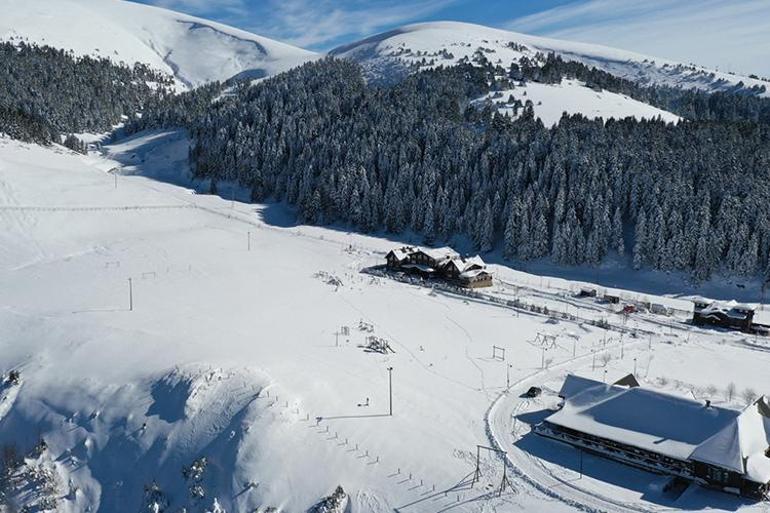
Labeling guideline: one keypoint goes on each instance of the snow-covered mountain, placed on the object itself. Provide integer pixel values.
(194, 50)
(432, 44)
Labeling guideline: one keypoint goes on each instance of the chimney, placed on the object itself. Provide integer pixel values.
(708, 403)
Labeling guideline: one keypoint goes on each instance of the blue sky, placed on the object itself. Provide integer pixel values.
(731, 35)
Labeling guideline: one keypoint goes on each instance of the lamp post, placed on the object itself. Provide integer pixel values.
(390, 391)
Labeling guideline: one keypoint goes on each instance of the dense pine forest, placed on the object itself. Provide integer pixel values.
(417, 156)
(422, 156)
(46, 93)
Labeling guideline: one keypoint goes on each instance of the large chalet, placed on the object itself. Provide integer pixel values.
(713, 446)
(728, 315)
(441, 263)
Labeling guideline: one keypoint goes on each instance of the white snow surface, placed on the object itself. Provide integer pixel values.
(232, 352)
(448, 42)
(193, 50)
(551, 101)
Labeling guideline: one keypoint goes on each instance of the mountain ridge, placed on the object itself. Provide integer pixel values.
(194, 50)
(449, 42)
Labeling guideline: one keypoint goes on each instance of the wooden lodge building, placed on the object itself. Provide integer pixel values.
(730, 315)
(712, 446)
(440, 263)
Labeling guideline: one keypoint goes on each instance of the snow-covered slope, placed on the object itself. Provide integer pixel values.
(194, 50)
(432, 44)
(232, 351)
(549, 101)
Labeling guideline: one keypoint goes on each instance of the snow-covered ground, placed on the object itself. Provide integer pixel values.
(445, 43)
(242, 347)
(193, 50)
(550, 101)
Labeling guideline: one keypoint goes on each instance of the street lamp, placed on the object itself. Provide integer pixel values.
(390, 391)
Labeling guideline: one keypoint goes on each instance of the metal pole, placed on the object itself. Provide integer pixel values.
(130, 295)
(634, 366)
(508, 377)
(116, 179)
(248, 243)
(390, 391)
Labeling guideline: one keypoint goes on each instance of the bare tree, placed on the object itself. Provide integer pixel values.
(730, 391)
(711, 391)
(606, 358)
(749, 395)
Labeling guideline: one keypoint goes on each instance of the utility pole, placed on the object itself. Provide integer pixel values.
(508, 377)
(634, 366)
(130, 295)
(248, 241)
(390, 391)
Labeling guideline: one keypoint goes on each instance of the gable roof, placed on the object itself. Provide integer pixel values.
(730, 309)
(402, 253)
(741, 445)
(574, 384)
(670, 425)
(657, 422)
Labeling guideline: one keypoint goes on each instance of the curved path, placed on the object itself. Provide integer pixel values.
(529, 468)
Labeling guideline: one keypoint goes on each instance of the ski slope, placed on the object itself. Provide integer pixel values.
(233, 349)
(423, 45)
(550, 101)
(193, 50)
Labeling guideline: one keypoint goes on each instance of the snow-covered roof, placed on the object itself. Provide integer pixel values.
(440, 253)
(670, 425)
(741, 445)
(475, 260)
(730, 309)
(574, 385)
(473, 273)
(657, 422)
(402, 253)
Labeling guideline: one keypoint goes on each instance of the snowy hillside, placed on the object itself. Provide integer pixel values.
(194, 50)
(549, 101)
(432, 44)
(239, 379)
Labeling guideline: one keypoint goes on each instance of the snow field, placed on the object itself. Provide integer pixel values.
(217, 326)
(550, 101)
